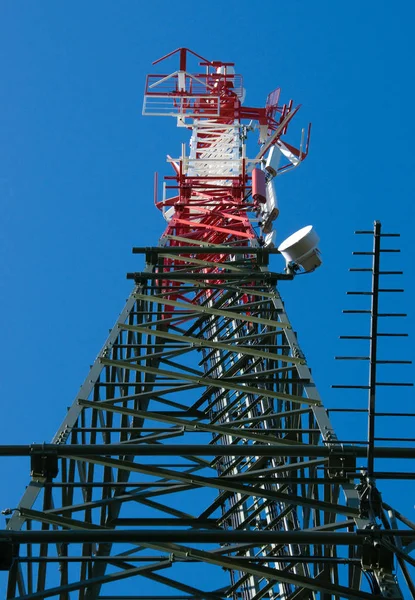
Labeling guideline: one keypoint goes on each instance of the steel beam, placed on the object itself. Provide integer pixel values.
(68, 450)
(196, 536)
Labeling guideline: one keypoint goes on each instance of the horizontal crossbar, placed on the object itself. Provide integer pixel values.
(196, 449)
(211, 536)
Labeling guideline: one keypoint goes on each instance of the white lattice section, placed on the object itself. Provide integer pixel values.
(215, 150)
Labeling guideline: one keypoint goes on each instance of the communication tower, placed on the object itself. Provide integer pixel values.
(197, 461)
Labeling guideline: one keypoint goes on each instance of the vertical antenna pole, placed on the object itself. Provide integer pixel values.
(373, 347)
(156, 185)
(183, 52)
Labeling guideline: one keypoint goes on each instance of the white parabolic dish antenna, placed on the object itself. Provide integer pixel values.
(301, 248)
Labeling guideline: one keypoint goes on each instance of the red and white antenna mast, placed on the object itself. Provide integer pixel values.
(218, 194)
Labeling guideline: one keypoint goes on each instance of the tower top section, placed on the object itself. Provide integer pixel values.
(218, 193)
(212, 89)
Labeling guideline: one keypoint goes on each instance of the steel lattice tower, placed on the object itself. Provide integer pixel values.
(198, 439)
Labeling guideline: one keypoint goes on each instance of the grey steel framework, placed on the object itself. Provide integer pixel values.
(197, 460)
(198, 443)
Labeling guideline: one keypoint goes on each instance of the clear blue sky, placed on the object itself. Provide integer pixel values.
(76, 173)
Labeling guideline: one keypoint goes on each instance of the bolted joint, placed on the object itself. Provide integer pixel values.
(376, 556)
(151, 257)
(262, 257)
(44, 466)
(341, 465)
(8, 553)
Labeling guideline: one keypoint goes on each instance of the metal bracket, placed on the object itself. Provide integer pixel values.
(341, 465)
(44, 465)
(370, 500)
(376, 556)
(8, 552)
